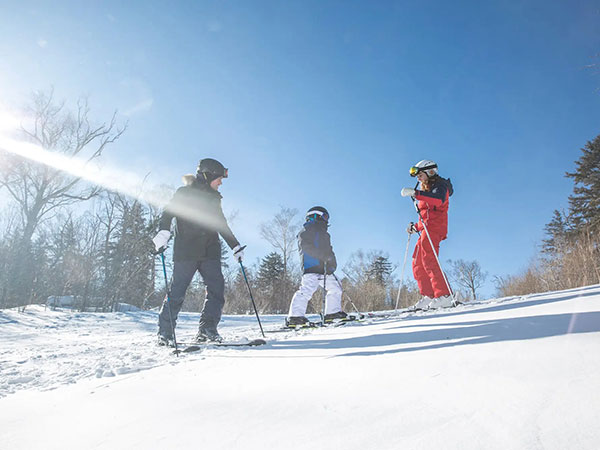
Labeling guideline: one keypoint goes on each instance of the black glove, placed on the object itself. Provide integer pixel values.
(411, 229)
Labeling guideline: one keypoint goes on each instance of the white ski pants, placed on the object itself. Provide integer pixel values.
(310, 283)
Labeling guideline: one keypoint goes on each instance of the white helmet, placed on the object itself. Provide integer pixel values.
(425, 165)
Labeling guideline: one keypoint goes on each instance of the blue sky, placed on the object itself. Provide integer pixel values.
(331, 102)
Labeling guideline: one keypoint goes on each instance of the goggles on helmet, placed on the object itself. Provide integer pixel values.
(414, 171)
(314, 214)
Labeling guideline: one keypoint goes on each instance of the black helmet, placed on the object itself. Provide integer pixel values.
(318, 213)
(211, 169)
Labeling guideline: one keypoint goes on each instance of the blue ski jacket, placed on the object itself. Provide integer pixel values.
(315, 247)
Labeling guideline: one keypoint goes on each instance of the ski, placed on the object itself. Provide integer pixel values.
(319, 324)
(344, 321)
(304, 326)
(189, 348)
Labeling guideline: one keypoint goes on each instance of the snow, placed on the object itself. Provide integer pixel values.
(511, 373)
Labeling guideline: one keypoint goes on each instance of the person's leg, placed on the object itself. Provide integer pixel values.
(308, 285)
(431, 266)
(333, 300)
(212, 275)
(420, 273)
(183, 272)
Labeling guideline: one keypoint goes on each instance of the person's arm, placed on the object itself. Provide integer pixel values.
(224, 230)
(164, 226)
(170, 211)
(436, 197)
(318, 245)
(309, 245)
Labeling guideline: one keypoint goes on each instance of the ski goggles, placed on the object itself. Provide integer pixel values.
(315, 213)
(224, 173)
(414, 171)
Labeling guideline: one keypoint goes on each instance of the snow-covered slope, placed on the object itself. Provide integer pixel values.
(514, 373)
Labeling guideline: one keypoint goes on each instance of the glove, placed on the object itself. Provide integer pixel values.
(161, 240)
(411, 229)
(407, 192)
(238, 252)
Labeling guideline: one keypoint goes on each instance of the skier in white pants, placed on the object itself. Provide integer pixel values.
(317, 253)
(310, 283)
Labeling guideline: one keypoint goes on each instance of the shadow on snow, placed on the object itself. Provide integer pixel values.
(456, 334)
(445, 335)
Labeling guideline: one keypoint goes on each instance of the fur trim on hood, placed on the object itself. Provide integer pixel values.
(188, 179)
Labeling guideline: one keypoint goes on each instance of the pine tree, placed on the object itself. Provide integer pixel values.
(271, 268)
(130, 262)
(271, 278)
(556, 231)
(380, 270)
(584, 204)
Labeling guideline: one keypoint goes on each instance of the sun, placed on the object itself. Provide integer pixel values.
(8, 121)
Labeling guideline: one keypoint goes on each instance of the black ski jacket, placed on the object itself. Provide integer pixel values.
(199, 221)
(315, 248)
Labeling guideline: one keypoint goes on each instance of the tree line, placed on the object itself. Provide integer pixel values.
(63, 236)
(569, 255)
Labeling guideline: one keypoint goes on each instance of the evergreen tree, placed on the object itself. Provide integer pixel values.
(271, 282)
(270, 270)
(584, 204)
(380, 270)
(556, 231)
(130, 261)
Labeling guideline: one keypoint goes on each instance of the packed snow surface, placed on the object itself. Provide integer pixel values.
(511, 373)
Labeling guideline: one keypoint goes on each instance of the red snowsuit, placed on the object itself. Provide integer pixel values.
(433, 211)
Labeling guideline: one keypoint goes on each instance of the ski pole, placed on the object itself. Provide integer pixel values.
(324, 291)
(454, 303)
(162, 257)
(252, 299)
(347, 296)
(402, 275)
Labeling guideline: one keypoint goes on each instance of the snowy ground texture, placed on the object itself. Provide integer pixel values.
(512, 373)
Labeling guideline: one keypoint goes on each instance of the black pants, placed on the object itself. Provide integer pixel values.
(183, 272)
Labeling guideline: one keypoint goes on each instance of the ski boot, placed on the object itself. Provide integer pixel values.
(208, 335)
(441, 302)
(296, 322)
(423, 304)
(339, 316)
(165, 340)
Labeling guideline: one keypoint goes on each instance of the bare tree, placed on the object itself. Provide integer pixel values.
(39, 190)
(369, 280)
(467, 274)
(281, 233)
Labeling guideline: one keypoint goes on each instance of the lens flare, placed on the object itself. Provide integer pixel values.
(8, 122)
(127, 183)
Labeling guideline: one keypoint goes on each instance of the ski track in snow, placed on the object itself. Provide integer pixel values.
(43, 349)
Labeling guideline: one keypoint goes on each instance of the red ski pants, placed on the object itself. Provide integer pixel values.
(426, 269)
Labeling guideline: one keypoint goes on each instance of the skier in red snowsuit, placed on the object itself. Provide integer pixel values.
(432, 201)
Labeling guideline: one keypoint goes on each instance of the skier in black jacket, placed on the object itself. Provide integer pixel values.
(199, 222)
(317, 253)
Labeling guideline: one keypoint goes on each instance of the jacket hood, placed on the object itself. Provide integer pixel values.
(188, 179)
(449, 186)
(446, 182)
